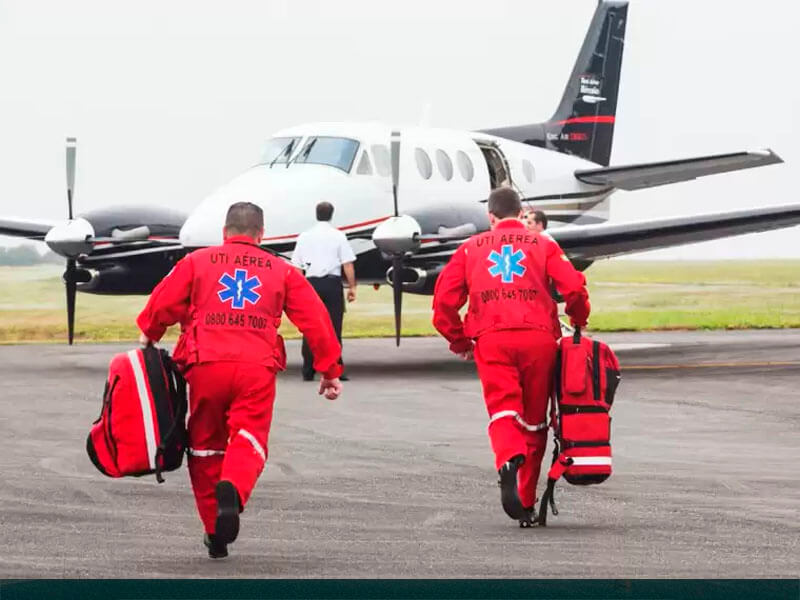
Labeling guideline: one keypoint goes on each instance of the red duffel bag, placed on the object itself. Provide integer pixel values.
(141, 428)
(585, 381)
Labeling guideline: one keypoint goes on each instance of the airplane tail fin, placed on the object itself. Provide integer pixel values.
(583, 124)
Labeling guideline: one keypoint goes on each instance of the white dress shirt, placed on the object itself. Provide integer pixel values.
(322, 250)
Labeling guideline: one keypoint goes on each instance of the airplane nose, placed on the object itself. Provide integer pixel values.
(71, 239)
(288, 197)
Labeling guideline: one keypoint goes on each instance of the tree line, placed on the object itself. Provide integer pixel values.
(27, 255)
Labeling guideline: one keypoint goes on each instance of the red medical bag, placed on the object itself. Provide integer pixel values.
(585, 381)
(141, 428)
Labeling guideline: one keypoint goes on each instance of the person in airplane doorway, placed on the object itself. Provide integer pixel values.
(508, 330)
(323, 253)
(229, 300)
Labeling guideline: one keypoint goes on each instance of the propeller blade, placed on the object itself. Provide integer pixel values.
(72, 288)
(395, 149)
(72, 144)
(397, 291)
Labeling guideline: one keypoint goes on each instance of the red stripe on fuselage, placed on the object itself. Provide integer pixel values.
(595, 119)
(344, 228)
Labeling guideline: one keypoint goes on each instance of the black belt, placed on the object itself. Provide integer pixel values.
(326, 277)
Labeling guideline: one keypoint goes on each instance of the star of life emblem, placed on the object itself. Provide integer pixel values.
(507, 263)
(239, 288)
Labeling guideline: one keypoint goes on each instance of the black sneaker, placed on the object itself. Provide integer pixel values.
(529, 520)
(308, 376)
(227, 526)
(344, 378)
(216, 549)
(509, 494)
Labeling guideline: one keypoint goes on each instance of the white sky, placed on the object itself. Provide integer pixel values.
(170, 99)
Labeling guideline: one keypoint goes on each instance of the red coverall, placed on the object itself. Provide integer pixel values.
(229, 301)
(504, 273)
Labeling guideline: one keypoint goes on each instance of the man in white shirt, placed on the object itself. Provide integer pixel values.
(323, 252)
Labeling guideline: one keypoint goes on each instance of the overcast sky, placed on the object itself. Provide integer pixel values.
(170, 99)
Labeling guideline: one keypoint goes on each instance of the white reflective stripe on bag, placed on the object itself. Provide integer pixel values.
(147, 410)
(590, 461)
(512, 413)
(254, 442)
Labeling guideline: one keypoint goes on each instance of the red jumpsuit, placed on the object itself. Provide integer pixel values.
(505, 273)
(229, 301)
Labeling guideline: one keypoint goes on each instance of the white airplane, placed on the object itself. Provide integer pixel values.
(406, 207)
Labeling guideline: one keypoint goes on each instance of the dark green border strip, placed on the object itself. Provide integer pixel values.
(457, 589)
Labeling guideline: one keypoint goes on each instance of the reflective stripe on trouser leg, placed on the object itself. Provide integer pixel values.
(244, 461)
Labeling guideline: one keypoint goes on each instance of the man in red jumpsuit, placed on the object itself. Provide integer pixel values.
(229, 301)
(504, 274)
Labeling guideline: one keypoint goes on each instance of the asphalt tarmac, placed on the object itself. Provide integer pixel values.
(395, 479)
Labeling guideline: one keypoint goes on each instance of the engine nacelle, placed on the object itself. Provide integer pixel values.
(417, 280)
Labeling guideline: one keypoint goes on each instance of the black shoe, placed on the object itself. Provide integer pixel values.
(344, 378)
(227, 526)
(308, 376)
(216, 549)
(529, 520)
(509, 494)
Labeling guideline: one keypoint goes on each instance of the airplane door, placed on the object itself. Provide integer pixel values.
(499, 173)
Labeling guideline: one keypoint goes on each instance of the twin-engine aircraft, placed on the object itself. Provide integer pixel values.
(408, 196)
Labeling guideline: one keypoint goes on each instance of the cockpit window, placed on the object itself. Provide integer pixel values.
(334, 151)
(279, 149)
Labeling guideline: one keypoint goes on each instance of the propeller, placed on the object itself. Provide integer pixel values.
(71, 272)
(400, 235)
(397, 259)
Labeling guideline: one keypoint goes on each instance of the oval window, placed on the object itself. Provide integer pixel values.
(424, 164)
(465, 165)
(445, 164)
(527, 170)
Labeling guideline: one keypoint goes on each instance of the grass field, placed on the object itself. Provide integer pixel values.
(626, 295)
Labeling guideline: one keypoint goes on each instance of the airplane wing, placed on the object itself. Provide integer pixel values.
(634, 177)
(612, 239)
(27, 228)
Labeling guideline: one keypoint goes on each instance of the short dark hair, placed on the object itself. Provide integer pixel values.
(540, 217)
(244, 218)
(324, 211)
(504, 202)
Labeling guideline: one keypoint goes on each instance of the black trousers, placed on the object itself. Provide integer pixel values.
(331, 291)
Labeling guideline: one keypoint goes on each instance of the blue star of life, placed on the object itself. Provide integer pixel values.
(506, 263)
(239, 289)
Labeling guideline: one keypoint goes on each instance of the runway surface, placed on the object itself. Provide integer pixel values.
(395, 479)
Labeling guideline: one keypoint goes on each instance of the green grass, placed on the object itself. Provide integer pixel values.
(626, 295)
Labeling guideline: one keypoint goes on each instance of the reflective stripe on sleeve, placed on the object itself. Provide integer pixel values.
(512, 413)
(254, 442)
(147, 410)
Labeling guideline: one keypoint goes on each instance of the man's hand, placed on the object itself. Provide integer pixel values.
(331, 388)
(145, 341)
(468, 355)
(351, 294)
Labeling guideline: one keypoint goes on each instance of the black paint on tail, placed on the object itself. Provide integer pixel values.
(583, 124)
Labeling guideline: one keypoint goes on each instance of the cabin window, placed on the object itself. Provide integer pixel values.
(332, 151)
(465, 165)
(279, 149)
(383, 161)
(364, 166)
(445, 164)
(527, 170)
(424, 164)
